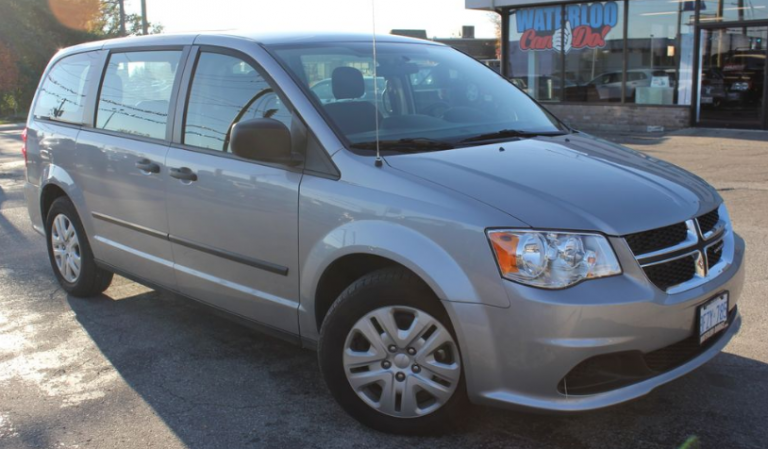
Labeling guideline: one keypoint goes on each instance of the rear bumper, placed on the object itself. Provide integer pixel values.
(517, 357)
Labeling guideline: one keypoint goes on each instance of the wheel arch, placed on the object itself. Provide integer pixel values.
(57, 183)
(50, 193)
(360, 247)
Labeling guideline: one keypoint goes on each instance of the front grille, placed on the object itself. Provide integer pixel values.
(611, 371)
(656, 239)
(673, 272)
(708, 221)
(714, 254)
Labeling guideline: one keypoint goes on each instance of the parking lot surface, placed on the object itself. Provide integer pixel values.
(136, 368)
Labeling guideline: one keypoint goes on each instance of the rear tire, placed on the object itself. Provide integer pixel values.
(70, 252)
(415, 387)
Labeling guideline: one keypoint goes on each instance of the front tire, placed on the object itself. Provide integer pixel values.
(389, 355)
(70, 252)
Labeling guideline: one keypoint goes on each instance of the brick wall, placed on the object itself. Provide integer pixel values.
(622, 118)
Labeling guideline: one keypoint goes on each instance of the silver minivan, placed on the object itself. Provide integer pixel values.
(444, 241)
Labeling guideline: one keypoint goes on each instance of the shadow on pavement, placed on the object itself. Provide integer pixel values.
(217, 383)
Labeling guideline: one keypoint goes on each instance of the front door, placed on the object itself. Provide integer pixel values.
(233, 222)
(732, 77)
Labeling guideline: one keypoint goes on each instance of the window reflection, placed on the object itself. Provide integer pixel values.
(226, 89)
(136, 92)
(62, 95)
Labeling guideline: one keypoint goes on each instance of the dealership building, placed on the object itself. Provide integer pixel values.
(639, 65)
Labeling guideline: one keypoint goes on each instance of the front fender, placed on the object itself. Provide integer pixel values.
(431, 262)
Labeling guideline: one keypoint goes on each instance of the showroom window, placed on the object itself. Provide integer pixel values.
(585, 52)
(594, 54)
(570, 52)
(534, 56)
(660, 52)
(733, 10)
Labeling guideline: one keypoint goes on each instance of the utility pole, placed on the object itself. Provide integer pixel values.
(144, 22)
(121, 6)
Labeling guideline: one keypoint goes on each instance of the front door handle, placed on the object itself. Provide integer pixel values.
(147, 166)
(183, 173)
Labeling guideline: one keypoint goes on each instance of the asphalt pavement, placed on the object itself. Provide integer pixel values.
(135, 368)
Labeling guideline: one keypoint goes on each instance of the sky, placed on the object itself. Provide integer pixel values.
(441, 18)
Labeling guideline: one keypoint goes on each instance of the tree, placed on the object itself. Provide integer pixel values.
(9, 72)
(32, 31)
(9, 80)
(107, 22)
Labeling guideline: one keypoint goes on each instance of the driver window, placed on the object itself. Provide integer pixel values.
(226, 89)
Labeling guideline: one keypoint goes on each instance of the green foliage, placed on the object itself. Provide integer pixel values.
(31, 34)
(691, 443)
(107, 24)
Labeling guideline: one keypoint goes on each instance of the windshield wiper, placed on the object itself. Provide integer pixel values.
(510, 133)
(406, 145)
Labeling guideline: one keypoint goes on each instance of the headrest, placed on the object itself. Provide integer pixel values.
(347, 83)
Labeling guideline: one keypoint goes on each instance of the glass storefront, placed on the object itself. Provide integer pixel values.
(660, 44)
(645, 52)
(536, 67)
(594, 61)
(733, 76)
(576, 52)
(714, 11)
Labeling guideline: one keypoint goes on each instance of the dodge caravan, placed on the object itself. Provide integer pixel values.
(444, 241)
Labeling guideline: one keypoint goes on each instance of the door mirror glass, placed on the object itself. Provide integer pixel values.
(263, 139)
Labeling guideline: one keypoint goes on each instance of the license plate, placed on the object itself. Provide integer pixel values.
(713, 317)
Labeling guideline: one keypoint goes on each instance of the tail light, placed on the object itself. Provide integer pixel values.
(24, 145)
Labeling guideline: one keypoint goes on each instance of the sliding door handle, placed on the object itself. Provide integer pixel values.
(183, 173)
(147, 166)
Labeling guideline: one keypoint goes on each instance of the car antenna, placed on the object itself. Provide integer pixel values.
(378, 162)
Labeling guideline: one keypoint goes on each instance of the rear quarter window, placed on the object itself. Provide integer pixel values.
(62, 95)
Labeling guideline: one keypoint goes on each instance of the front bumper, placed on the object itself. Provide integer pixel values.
(516, 357)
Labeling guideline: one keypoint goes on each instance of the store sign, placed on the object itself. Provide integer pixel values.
(586, 25)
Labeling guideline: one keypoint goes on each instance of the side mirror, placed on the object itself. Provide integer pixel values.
(263, 139)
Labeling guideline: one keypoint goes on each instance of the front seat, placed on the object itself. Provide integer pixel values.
(351, 115)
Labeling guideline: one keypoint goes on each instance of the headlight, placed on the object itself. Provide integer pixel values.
(552, 259)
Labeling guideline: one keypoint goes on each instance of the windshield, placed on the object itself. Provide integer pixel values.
(427, 93)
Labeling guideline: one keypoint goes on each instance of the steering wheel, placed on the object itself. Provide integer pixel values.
(437, 109)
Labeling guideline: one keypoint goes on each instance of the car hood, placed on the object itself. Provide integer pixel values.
(571, 182)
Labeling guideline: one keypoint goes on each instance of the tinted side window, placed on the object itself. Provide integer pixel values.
(62, 94)
(136, 92)
(223, 89)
